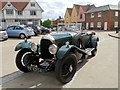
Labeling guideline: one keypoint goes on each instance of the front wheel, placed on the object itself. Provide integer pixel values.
(66, 68)
(23, 60)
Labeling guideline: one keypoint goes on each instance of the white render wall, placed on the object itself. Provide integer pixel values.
(26, 12)
(10, 19)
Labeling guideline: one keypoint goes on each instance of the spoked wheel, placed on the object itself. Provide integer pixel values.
(66, 68)
(23, 59)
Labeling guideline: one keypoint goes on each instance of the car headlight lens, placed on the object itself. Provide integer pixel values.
(34, 47)
(53, 49)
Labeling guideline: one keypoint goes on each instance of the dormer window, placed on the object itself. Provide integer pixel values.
(32, 4)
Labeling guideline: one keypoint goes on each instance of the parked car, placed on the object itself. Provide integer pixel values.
(37, 29)
(3, 35)
(44, 30)
(59, 51)
(19, 31)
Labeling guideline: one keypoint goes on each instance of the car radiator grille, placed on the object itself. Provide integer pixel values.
(45, 54)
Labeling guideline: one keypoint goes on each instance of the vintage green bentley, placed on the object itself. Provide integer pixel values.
(60, 52)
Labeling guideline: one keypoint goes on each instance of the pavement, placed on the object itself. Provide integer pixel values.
(115, 35)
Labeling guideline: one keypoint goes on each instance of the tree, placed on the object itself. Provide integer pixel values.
(47, 23)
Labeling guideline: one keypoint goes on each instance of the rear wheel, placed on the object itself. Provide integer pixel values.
(66, 68)
(23, 59)
(22, 36)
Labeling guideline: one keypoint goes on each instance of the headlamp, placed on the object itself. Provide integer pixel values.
(53, 49)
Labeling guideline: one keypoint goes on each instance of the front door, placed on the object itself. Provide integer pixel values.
(105, 25)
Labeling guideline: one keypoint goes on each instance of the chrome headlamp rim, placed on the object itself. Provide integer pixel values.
(34, 47)
(53, 49)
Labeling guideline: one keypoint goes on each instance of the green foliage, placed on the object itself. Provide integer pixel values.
(47, 23)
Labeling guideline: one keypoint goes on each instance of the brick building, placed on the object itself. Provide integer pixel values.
(104, 18)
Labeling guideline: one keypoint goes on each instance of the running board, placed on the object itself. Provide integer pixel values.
(89, 50)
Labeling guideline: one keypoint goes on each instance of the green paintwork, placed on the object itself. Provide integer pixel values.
(23, 45)
(67, 48)
(62, 38)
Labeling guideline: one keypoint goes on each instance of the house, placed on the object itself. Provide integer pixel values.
(76, 16)
(58, 23)
(103, 17)
(67, 17)
(20, 12)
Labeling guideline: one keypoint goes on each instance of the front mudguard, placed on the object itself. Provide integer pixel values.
(64, 50)
(23, 45)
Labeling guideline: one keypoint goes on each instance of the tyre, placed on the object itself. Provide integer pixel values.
(66, 68)
(23, 59)
(22, 36)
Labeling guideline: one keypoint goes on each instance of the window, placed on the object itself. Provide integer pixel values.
(32, 12)
(74, 18)
(9, 11)
(116, 13)
(11, 28)
(115, 24)
(81, 16)
(99, 24)
(18, 28)
(91, 24)
(67, 18)
(20, 12)
(9, 5)
(92, 15)
(99, 14)
(32, 4)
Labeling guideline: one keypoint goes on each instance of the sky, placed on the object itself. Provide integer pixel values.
(55, 8)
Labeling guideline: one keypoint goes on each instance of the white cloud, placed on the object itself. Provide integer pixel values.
(55, 8)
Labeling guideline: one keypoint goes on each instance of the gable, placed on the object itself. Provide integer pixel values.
(37, 6)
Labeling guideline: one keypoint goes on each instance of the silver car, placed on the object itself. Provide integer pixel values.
(19, 31)
(3, 35)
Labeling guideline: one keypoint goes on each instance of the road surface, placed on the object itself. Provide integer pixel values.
(100, 71)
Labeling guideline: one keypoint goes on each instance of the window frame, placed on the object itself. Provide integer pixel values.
(99, 14)
(92, 15)
(99, 24)
(32, 4)
(116, 13)
(91, 24)
(8, 12)
(33, 13)
(20, 13)
(116, 24)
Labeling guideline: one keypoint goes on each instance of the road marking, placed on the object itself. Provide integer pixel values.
(35, 85)
(10, 77)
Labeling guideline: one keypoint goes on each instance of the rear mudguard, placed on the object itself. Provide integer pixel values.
(23, 45)
(67, 49)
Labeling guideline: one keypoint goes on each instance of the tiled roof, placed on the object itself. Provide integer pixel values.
(87, 7)
(19, 4)
(84, 7)
(69, 11)
(103, 8)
